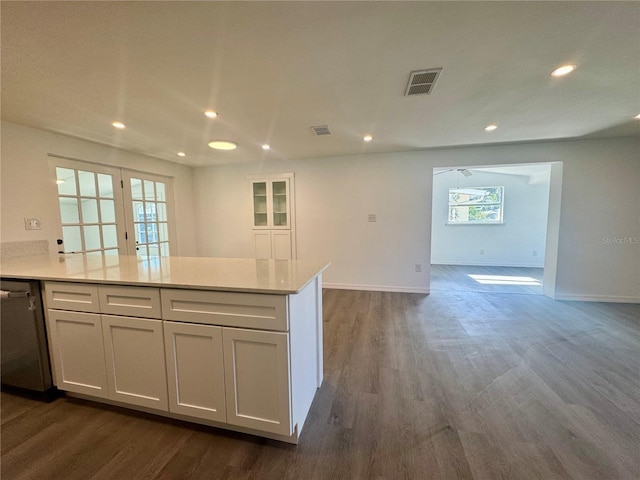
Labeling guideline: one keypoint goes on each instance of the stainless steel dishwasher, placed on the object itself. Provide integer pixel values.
(25, 357)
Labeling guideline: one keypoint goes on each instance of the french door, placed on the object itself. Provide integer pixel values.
(148, 213)
(110, 211)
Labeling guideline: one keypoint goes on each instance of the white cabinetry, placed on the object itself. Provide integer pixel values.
(274, 244)
(250, 362)
(257, 379)
(134, 352)
(107, 356)
(77, 352)
(273, 216)
(195, 370)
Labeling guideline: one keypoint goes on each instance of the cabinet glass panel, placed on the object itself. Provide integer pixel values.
(279, 204)
(260, 218)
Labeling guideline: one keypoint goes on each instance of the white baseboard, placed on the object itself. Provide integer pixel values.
(597, 298)
(376, 288)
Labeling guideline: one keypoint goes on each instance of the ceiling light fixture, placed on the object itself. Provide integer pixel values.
(490, 128)
(563, 70)
(223, 145)
(637, 117)
(182, 154)
(266, 147)
(119, 125)
(211, 114)
(367, 138)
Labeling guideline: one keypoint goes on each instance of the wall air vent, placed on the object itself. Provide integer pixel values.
(422, 81)
(320, 130)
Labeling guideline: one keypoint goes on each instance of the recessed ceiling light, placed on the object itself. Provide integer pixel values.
(367, 138)
(119, 125)
(490, 128)
(563, 70)
(637, 117)
(182, 154)
(223, 145)
(266, 147)
(211, 114)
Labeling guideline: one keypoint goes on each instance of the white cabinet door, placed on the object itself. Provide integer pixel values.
(134, 351)
(195, 370)
(262, 242)
(271, 199)
(275, 244)
(77, 352)
(257, 379)
(281, 245)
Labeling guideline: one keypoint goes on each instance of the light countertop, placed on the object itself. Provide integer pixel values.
(224, 274)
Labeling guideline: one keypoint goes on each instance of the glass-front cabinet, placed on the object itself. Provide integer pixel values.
(271, 204)
(273, 216)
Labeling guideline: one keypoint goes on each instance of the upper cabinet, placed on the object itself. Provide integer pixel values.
(272, 202)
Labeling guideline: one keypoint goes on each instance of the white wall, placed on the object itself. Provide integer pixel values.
(28, 190)
(598, 219)
(600, 198)
(512, 243)
(333, 199)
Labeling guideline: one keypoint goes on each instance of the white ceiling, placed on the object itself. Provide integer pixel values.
(273, 69)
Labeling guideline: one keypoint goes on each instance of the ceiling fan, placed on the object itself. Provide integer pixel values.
(463, 171)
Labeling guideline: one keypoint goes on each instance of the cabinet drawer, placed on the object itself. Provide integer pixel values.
(130, 301)
(72, 296)
(247, 310)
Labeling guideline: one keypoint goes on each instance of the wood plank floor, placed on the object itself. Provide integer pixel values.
(446, 386)
(479, 278)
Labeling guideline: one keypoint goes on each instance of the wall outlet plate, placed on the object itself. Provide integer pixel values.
(32, 224)
(373, 217)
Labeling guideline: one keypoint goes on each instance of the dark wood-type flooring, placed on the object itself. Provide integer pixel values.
(446, 386)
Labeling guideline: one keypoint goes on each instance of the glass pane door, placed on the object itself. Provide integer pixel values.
(279, 190)
(90, 208)
(149, 214)
(260, 212)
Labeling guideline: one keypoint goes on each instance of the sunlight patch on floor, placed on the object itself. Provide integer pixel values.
(505, 280)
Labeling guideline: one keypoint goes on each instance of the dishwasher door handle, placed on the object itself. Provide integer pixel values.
(7, 294)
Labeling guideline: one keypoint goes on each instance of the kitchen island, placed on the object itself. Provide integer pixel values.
(232, 343)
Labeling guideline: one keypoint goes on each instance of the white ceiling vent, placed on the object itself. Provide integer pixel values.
(319, 130)
(422, 81)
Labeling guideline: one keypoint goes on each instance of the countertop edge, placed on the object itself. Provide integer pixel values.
(38, 276)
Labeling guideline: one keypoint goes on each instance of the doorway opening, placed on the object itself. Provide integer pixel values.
(489, 228)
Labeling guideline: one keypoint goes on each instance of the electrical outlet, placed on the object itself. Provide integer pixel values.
(482, 252)
(418, 267)
(32, 224)
(535, 253)
(373, 217)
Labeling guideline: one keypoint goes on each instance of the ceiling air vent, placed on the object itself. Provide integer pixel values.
(422, 81)
(319, 130)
